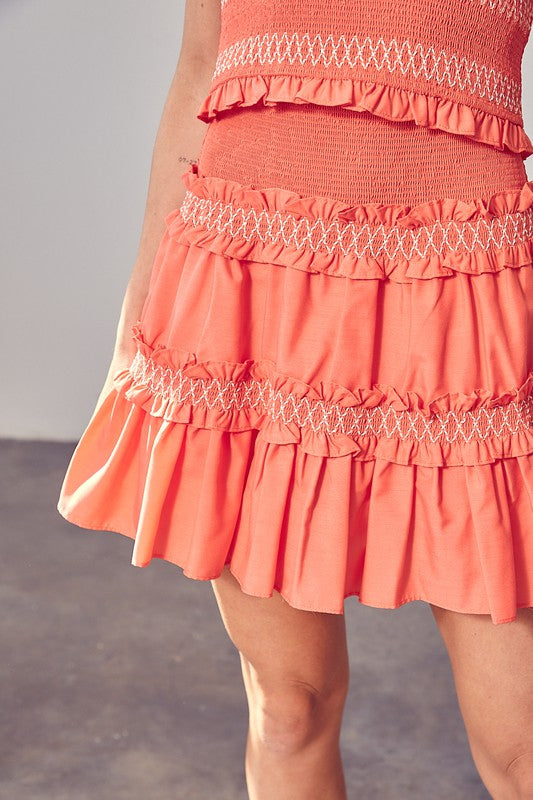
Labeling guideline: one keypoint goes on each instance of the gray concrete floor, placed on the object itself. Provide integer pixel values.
(120, 682)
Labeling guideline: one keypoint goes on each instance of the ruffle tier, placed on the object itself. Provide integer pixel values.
(327, 438)
(314, 528)
(328, 419)
(372, 241)
(390, 102)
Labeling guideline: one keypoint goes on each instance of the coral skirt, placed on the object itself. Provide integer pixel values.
(332, 389)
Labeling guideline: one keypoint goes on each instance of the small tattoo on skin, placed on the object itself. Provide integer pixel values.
(187, 160)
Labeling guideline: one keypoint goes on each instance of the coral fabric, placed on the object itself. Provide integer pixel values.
(332, 390)
(330, 151)
(440, 63)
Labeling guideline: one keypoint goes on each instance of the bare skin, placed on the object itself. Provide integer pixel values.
(178, 143)
(493, 673)
(295, 672)
(295, 663)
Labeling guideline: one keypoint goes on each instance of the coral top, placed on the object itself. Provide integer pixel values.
(445, 64)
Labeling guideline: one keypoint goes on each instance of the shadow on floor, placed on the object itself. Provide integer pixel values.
(121, 683)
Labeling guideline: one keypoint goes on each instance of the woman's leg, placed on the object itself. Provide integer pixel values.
(493, 672)
(296, 675)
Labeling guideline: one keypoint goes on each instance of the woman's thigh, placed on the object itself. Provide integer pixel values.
(493, 673)
(283, 648)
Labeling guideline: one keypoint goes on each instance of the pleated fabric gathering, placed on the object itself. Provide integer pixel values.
(331, 395)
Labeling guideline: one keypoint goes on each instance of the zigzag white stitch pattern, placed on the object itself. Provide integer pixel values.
(331, 418)
(359, 240)
(519, 10)
(454, 70)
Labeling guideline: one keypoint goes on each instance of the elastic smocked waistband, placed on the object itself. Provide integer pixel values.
(355, 157)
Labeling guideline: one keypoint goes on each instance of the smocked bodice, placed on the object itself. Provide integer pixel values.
(442, 63)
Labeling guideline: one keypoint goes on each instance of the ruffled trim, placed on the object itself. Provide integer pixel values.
(203, 498)
(376, 422)
(365, 241)
(386, 101)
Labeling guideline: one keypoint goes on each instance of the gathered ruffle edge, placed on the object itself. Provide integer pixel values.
(391, 102)
(412, 255)
(255, 394)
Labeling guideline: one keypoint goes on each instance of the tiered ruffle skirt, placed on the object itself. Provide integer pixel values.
(332, 390)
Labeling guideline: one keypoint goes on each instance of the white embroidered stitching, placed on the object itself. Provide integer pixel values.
(360, 240)
(320, 416)
(453, 70)
(519, 10)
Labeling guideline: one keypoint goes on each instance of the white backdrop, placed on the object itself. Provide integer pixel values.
(83, 86)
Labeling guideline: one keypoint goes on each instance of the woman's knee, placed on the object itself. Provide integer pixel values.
(519, 775)
(509, 778)
(286, 719)
(494, 683)
(294, 663)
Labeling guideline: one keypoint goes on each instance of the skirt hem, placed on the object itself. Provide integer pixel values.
(291, 601)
